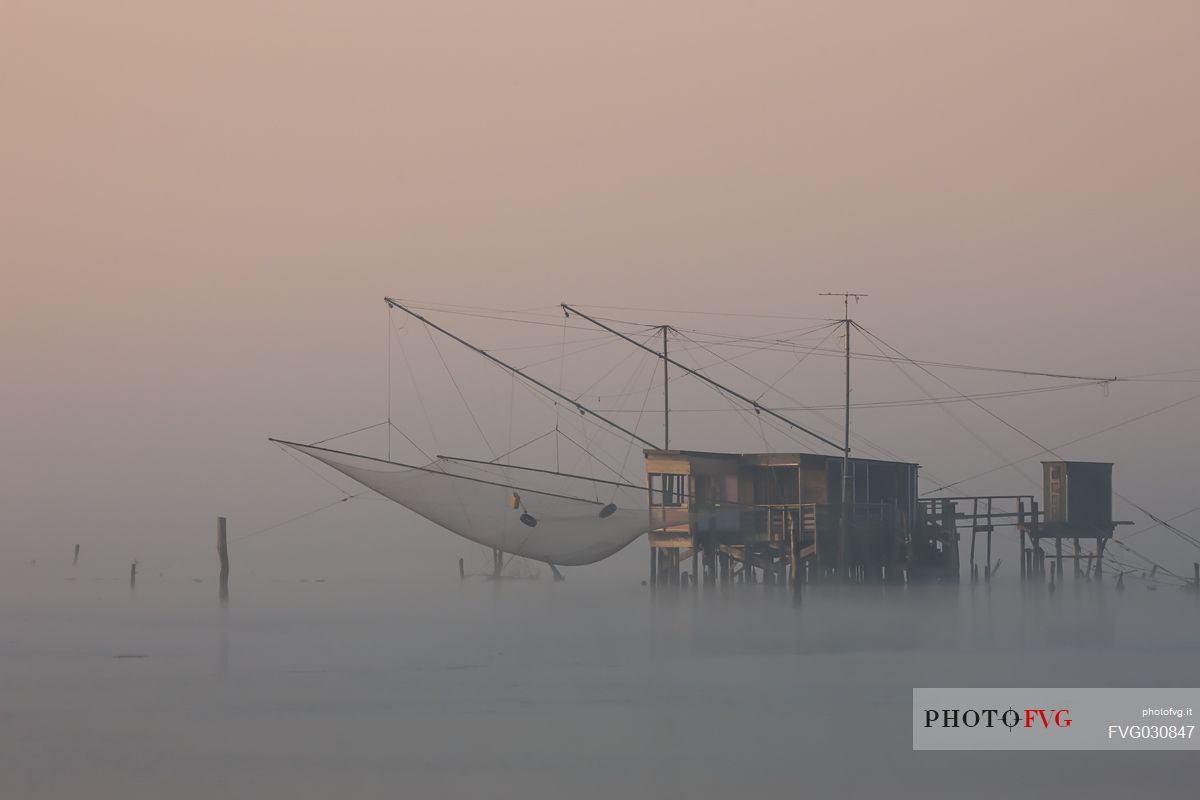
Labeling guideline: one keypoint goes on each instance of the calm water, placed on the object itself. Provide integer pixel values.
(532, 689)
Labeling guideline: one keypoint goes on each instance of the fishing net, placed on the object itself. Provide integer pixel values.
(566, 520)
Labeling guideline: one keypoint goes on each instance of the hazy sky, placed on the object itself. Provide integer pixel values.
(202, 208)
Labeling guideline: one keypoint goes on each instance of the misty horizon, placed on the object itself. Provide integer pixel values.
(204, 207)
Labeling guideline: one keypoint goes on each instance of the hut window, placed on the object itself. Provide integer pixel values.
(667, 489)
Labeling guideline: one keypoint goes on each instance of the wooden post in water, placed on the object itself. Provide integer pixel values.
(132, 574)
(75, 560)
(1039, 554)
(793, 565)
(974, 532)
(987, 573)
(462, 570)
(1196, 576)
(1058, 557)
(1021, 530)
(223, 555)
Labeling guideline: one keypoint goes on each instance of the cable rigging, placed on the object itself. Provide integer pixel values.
(1181, 534)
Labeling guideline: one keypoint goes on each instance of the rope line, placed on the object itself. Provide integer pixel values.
(298, 517)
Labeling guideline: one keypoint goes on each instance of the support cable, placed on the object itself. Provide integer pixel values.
(757, 407)
(1186, 537)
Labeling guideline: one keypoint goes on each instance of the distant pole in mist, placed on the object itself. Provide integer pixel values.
(132, 574)
(75, 560)
(1021, 530)
(462, 570)
(223, 555)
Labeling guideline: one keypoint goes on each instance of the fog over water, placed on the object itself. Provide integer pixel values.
(203, 206)
(587, 688)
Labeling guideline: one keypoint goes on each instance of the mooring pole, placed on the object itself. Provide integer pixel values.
(132, 574)
(75, 560)
(1021, 530)
(793, 564)
(987, 573)
(974, 531)
(223, 555)
(1039, 556)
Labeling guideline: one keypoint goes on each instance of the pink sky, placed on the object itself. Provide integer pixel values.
(202, 209)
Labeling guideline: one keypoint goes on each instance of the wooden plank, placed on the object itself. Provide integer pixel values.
(669, 540)
(670, 464)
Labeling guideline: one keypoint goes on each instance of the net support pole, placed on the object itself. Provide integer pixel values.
(582, 409)
(754, 405)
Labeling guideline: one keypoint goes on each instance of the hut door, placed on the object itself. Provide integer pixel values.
(1056, 510)
(860, 474)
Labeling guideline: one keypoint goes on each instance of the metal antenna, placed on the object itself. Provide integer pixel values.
(844, 537)
(666, 393)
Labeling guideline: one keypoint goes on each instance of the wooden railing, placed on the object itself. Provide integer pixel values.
(777, 521)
